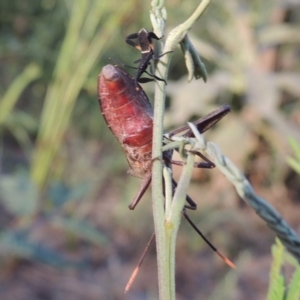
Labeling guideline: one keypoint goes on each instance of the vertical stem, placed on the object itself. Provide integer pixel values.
(157, 195)
(173, 219)
(165, 233)
(158, 19)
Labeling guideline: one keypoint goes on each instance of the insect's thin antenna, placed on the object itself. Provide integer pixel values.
(121, 64)
(226, 260)
(136, 270)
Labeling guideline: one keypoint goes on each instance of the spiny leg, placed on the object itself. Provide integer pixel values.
(154, 76)
(212, 165)
(225, 259)
(193, 206)
(152, 35)
(129, 41)
(136, 270)
(121, 64)
(203, 165)
(143, 188)
(208, 164)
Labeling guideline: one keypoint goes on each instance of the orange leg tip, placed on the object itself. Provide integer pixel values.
(226, 260)
(131, 280)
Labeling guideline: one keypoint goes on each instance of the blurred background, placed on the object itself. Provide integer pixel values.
(66, 230)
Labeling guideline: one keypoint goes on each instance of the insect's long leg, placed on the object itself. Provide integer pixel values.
(226, 260)
(192, 204)
(134, 273)
(209, 162)
(152, 35)
(132, 36)
(121, 64)
(144, 186)
(203, 165)
(159, 56)
(138, 79)
(133, 44)
(129, 41)
(154, 76)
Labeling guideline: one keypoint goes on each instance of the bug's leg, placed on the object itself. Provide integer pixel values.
(152, 35)
(133, 44)
(159, 56)
(132, 36)
(203, 165)
(129, 41)
(226, 260)
(144, 80)
(209, 162)
(143, 188)
(133, 276)
(192, 205)
(121, 64)
(154, 76)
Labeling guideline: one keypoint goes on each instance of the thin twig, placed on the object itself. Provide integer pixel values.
(165, 250)
(243, 187)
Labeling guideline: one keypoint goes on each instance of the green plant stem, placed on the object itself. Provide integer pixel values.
(157, 19)
(173, 219)
(179, 32)
(168, 189)
(157, 192)
(174, 216)
(165, 236)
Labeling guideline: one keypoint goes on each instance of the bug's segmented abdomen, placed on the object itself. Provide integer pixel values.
(128, 113)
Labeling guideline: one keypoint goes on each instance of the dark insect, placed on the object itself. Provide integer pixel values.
(128, 113)
(145, 45)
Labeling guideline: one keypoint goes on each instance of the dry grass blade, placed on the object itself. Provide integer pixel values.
(80, 51)
(10, 98)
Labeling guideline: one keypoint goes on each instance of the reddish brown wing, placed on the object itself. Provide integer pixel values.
(128, 114)
(203, 123)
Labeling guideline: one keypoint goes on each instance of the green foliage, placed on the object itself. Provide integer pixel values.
(10, 98)
(19, 123)
(277, 285)
(294, 288)
(294, 162)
